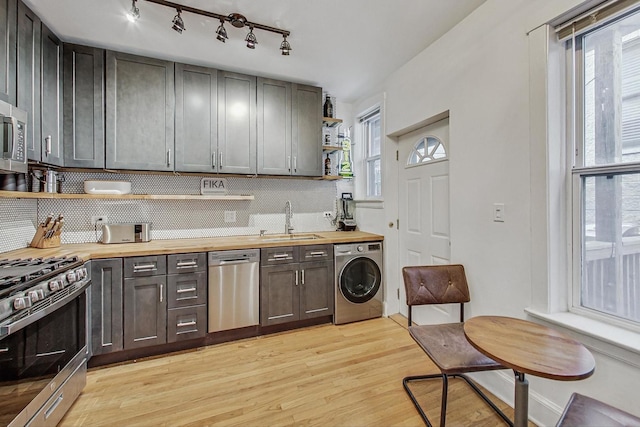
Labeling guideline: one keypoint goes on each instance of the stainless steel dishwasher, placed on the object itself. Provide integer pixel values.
(234, 293)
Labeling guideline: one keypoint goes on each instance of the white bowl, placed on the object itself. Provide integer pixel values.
(107, 187)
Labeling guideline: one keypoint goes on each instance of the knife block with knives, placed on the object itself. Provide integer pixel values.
(48, 233)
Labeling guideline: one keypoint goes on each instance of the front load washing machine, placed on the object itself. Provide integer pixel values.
(358, 287)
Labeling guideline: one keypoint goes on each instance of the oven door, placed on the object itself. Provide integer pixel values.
(38, 360)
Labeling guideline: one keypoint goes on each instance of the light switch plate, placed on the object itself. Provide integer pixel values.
(229, 216)
(498, 212)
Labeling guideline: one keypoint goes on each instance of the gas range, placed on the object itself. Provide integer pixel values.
(28, 286)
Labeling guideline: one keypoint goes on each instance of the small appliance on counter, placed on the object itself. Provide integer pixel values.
(126, 233)
(346, 221)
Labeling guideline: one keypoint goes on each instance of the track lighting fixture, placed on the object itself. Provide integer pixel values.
(134, 13)
(285, 47)
(251, 39)
(178, 23)
(221, 32)
(236, 19)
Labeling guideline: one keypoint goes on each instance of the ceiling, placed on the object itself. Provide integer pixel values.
(347, 47)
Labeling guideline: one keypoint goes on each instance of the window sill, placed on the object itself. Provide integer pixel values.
(600, 337)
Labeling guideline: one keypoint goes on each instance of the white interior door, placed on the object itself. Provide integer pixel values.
(423, 199)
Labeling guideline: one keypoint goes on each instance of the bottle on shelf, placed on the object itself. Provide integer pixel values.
(327, 165)
(328, 107)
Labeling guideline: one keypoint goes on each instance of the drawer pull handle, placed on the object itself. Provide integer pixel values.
(54, 406)
(280, 256)
(320, 253)
(181, 291)
(144, 267)
(186, 264)
(182, 324)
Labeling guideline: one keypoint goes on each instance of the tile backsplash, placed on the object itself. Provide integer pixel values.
(173, 219)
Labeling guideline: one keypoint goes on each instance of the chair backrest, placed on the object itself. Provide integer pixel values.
(435, 284)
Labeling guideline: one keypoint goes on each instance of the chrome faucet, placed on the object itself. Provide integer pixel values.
(288, 214)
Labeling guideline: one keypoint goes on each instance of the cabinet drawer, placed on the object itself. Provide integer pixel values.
(145, 266)
(275, 256)
(186, 323)
(184, 290)
(315, 253)
(186, 263)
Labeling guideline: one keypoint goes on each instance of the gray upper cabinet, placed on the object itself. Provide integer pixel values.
(236, 123)
(140, 113)
(307, 130)
(51, 99)
(274, 127)
(196, 119)
(29, 90)
(8, 51)
(83, 107)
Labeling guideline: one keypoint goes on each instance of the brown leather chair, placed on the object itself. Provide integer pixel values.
(586, 411)
(445, 344)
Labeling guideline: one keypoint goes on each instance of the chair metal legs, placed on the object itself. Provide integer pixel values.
(445, 387)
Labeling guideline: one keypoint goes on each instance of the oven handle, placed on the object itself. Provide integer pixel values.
(11, 327)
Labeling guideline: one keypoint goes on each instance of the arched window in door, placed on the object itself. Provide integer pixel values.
(426, 150)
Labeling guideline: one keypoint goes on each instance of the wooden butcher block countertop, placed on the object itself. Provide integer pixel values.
(88, 251)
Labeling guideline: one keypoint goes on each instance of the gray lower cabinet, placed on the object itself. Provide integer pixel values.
(306, 107)
(8, 51)
(196, 119)
(145, 301)
(83, 107)
(51, 99)
(186, 296)
(274, 127)
(236, 123)
(296, 283)
(106, 306)
(139, 113)
(28, 78)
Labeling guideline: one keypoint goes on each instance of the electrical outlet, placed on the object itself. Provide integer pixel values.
(327, 214)
(98, 219)
(229, 216)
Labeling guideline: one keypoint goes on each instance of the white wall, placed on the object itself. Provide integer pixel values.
(479, 72)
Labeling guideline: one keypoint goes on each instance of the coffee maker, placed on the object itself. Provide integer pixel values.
(346, 221)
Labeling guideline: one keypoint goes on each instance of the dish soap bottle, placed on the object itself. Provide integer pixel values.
(327, 165)
(328, 107)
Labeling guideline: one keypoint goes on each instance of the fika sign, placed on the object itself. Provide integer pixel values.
(213, 186)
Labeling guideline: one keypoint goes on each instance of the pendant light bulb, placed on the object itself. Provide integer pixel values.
(178, 23)
(251, 39)
(134, 13)
(221, 32)
(285, 47)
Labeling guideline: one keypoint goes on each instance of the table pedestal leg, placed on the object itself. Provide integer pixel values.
(521, 408)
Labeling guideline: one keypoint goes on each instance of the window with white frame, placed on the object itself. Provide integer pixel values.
(372, 141)
(604, 74)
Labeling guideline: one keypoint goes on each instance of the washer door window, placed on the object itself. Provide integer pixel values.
(360, 280)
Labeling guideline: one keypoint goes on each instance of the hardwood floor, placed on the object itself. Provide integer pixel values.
(346, 375)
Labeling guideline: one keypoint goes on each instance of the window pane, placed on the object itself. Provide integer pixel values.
(611, 59)
(611, 245)
(374, 178)
(374, 137)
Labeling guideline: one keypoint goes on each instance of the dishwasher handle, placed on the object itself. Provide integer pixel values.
(232, 261)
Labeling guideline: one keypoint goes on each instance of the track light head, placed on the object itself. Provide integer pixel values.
(134, 13)
(285, 47)
(237, 20)
(221, 32)
(178, 23)
(251, 39)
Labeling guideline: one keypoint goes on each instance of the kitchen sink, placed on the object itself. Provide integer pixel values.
(289, 237)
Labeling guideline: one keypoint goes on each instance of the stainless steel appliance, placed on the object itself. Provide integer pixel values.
(346, 217)
(43, 338)
(126, 233)
(358, 288)
(13, 158)
(234, 293)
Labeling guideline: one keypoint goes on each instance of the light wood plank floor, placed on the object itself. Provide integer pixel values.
(347, 375)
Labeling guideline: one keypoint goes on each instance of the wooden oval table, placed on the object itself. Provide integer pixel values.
(529, 348)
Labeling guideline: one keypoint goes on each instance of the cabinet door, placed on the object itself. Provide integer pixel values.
(316, 289)
(307, 130)
(140, 113)
(83, 107)
(8, 51)
(28, 92)
(274, 127)
(106, 306)
(279, 294)
(236, 123)
(51, 98)
(145, 311)
(196, 119)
